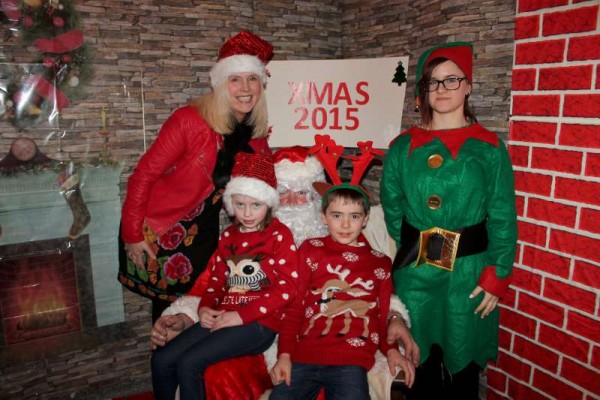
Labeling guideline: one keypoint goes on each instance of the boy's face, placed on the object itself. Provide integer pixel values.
(345, 221)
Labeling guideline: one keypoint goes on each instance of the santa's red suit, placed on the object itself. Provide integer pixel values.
(247, 378)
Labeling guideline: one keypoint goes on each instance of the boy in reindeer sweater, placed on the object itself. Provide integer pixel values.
(333, 328)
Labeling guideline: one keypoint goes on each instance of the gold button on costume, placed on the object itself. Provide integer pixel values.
(434, 202)
(435, 161)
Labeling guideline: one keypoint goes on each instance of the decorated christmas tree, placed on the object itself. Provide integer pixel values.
(60, 61)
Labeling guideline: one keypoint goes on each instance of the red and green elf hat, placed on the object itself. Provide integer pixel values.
(461, 53)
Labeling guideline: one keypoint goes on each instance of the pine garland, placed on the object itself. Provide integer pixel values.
(57, 75)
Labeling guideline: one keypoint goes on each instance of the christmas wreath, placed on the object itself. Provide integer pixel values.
(40, 90)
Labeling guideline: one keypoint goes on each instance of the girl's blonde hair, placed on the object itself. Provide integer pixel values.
(215, 108)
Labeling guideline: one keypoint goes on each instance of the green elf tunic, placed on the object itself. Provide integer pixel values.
(471, 175)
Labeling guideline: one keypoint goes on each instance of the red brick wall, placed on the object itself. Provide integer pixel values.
(550, 321)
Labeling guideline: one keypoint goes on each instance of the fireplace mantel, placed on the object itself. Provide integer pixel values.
(32, 209)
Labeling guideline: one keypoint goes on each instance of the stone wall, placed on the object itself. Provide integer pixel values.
(169, 48)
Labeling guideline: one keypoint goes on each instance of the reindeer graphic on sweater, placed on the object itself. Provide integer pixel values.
(331, 307)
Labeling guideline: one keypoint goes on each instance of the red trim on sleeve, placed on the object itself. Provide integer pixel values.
(490, 282)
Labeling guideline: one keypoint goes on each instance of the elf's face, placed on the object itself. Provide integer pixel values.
(345, 221)
(448, 101)
(249, 212)
(244, 90)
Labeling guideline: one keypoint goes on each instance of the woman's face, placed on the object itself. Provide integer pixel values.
(244, 90)
(442, 100)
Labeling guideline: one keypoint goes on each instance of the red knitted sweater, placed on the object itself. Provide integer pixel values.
(253, 273)
(340, 314)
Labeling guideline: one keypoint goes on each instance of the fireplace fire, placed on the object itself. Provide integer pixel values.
(39, 291)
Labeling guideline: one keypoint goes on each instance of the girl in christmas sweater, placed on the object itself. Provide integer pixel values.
(253, 277)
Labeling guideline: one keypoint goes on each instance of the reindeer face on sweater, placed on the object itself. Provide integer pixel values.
(245, 273)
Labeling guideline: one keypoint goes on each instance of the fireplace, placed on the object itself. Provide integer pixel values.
(45, 289)
(58, 294)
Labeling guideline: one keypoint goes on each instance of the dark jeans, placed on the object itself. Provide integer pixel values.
(341, 382)
(182, 361)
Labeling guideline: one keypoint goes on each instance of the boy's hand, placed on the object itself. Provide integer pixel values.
(395, 359)
(227, 319)
(282, 370)
(398, 331)
(207, 317)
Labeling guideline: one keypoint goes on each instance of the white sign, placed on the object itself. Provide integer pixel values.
(351, 100)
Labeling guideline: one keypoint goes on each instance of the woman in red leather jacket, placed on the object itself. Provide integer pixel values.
(170, 217)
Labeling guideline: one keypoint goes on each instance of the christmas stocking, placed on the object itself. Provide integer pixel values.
(81, 216)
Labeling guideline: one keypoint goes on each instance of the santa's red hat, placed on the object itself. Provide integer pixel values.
(244, 52)
(253, 175)
(295, 169)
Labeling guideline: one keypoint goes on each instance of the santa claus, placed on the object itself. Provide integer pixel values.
(299, 203)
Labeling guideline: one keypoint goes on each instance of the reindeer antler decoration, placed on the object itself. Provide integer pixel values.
(361, 162)
(329, 153)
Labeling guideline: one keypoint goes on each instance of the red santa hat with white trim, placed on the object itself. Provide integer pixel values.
(253, 175)
(295, 169)
(244, 52)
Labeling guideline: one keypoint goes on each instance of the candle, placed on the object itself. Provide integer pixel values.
(103, 118)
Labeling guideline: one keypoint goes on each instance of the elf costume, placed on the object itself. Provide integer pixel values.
(436, 184)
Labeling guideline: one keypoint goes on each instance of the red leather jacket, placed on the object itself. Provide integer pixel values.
(175, 174)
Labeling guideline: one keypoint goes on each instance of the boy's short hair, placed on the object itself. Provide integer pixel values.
(351, 195)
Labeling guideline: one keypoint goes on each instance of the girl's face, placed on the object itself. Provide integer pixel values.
(345, 221)
(244, 90)
(249, 212)
(445, 101)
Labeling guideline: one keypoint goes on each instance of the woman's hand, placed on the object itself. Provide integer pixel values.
(487, 305)
(227, 319)
(135, 252)
(166, 328)
(399, 332)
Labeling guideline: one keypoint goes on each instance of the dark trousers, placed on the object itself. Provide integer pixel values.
(433, 381)
(183, 360)
(341, 382)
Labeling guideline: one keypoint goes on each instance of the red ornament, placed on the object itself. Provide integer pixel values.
(49, 62)
(58, 22)
(27, 21)
(66, 58)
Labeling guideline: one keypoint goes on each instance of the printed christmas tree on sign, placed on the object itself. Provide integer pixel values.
(60, 60)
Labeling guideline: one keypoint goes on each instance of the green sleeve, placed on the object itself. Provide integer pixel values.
(502, 216)
(392, 194)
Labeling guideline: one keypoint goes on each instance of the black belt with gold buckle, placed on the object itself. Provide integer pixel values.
(439, 247)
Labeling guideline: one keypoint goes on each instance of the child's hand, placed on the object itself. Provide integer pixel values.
(282, 370)
(395, 359)
(208, 317)
(227, 319)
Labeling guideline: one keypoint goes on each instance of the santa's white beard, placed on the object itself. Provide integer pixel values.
(303, 220)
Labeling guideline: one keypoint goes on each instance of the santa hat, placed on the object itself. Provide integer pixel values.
(244, 52)
(296, 169)
(461, 53)
(253, 175)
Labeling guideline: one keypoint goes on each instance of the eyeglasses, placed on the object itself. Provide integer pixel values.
(449, 84)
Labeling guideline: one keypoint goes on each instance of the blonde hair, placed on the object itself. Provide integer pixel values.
(215, 108)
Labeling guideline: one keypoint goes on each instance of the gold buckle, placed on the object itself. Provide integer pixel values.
(448, 253)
